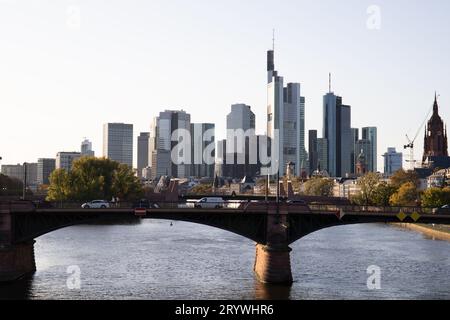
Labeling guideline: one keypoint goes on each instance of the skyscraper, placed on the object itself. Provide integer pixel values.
(364, 146)
(86, 148)
(336, 129)
(285, 119)
(142, 152)
(240, 117)
(393, 161)
(353, 152)
(44, 168)
(118, 142)
(322, 152)
(313, 151)
(370, 133)
(202, 149)
(239, 155)
(170, 124)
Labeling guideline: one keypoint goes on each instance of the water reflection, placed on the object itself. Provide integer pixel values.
(265, 291)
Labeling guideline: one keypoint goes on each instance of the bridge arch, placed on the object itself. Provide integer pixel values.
(29, 226)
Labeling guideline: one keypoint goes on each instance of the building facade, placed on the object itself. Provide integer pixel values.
(64, 160)
(322, 153)
(364, 147)
(86, 149)
(165, 135)
(239, 155)
(370, 133)
(285, 119)
(337, 131)
(17, 171)
(353, 149)
(118, 142)
(143, 141)
(393, 161)
(313, 151)
(203, 150)
(44, 168)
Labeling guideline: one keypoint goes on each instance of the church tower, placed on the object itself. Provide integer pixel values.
(435, 144)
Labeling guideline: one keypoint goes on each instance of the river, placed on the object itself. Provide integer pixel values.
(154, 260)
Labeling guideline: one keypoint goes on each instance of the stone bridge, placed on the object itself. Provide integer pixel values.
(273, 227)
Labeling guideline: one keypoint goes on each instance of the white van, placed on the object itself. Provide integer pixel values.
(210, 202)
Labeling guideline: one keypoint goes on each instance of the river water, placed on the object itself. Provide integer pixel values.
(154, 260)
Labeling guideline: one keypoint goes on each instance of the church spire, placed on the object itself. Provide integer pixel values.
(435, 106)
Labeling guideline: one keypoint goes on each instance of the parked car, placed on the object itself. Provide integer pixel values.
(210, 202)
(144, 203)
(96, 204)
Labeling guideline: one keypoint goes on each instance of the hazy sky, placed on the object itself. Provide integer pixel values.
(69, 66)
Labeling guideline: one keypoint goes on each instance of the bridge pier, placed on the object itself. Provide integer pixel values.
(16, 261)
(273, 264)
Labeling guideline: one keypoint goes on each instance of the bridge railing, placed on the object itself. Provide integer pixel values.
(237, 204)
(370, 209)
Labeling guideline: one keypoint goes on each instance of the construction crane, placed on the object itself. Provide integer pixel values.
(410, 144)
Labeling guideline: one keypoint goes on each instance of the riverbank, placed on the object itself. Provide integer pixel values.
(434, 232)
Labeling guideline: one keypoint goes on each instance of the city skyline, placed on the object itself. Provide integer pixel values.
(376, 100)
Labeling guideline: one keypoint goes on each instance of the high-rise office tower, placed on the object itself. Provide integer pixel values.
(364, 146)
(202, 149)
(168, 126)
(336, 129)
(393, 161)
(353, 152)
(285, 119)
(86, 148)
(370, 133)
(142, 152)
(44, 168)
(322, 154)
(118, 142)
(240, 117)
(239, 155)
(313, 151)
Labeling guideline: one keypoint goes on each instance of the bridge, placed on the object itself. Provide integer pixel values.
(272, 226)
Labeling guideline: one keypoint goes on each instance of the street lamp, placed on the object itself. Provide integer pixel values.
(24, 191)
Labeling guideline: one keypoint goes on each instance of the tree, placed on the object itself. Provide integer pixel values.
(58, 189)
(296, 183)
(94, 178)
(406, 195)
(383, 194)
(319, 187)
(436, 197)
(125, 184)
(201, 189)
(368, 184)
(10, 186)
(401, 177)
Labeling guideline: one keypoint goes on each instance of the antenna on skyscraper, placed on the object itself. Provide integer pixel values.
(273, 39)
(329, 82)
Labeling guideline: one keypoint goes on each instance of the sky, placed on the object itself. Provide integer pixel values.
(69, 66)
